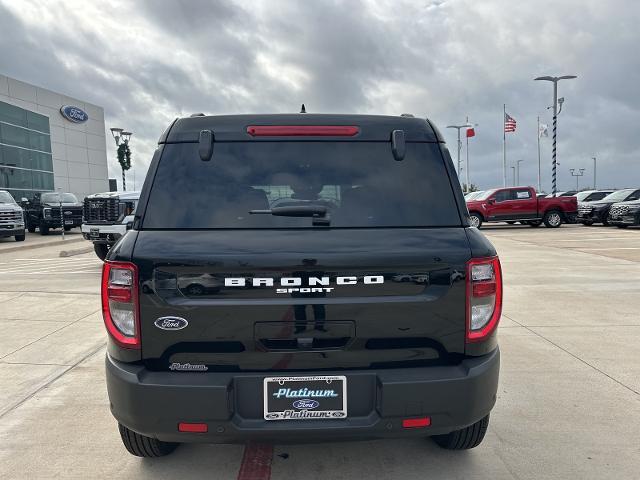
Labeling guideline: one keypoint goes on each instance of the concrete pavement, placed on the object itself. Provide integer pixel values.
(568, 402)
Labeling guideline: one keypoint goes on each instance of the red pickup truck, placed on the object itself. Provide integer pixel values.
(521, 204)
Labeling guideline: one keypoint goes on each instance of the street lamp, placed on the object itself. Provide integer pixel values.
(555, 81)
(514, 175)
(594, 173)
(577, 175)
(458, 127)
(518, 172)
(120, 136)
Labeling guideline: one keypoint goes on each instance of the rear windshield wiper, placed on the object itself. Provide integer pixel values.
(319, 213)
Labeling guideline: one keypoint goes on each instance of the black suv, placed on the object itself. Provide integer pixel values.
(345, 295)
(625, 214)
(50, 210)
(598, 210)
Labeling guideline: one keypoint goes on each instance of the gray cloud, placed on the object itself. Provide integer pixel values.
(147, 62)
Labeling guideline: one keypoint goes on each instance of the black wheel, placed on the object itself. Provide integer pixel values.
(464, 439)
(66, 229)
(605, 221)
(142, 446)
(195, 290)
(552, 219)
(44, 229)
(475, 219)
(622, 226)
(20, 238)
(101, 250)
(587, 223)
(31, 228)
(511, 223)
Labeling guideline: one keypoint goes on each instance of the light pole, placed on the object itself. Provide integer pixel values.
(577, 175)
(555, 81)
(594, 173)
(458, 127)
(514, 175)
(518, 172)
(119, 135)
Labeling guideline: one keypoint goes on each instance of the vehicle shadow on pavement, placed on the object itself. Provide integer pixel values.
(411, 458)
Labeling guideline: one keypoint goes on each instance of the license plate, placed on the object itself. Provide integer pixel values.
(305, 398)
(68, 222)
(94, 233)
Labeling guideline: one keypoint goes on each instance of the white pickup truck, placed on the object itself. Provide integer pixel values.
(11, 217)
(107, 217)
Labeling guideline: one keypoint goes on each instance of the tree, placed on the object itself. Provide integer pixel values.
(472, 188)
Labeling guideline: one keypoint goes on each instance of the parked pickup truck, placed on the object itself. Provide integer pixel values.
(11, 217)
(336, 306)
(107, 217)
(520, 204)
(50, 210)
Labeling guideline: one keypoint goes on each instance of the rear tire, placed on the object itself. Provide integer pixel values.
(587, 223)
(552, 219)
(101, 250)
(31, 228)
(66, 229)
(465, 438)
(142, 446)
(475, 219)
(622, 226)
(44, 229)
(20, 238)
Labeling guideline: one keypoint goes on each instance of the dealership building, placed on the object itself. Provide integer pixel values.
(50, 142)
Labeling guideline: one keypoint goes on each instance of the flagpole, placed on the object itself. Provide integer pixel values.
(539, 185)
(504, 146)
(467, 151)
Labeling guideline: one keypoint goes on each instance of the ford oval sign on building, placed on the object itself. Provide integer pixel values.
(74, 114)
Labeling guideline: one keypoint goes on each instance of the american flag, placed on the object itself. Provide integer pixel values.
(509, 123)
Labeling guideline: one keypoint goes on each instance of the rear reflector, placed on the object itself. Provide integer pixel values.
(193, 427)
(416, 422)
(302, 130)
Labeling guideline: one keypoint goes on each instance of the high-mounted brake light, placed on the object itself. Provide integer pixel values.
(484, 297)
(120, 303)
(302, 130)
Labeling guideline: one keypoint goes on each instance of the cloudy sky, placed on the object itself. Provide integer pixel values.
(149, 62)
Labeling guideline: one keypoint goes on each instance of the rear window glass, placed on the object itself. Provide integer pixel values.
(359, 184)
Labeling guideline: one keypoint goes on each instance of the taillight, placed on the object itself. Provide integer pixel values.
(120, 303)
(302, 130)
(484, 297)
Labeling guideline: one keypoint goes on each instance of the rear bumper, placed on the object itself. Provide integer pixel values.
(231, 404)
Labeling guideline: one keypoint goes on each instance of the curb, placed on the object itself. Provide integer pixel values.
(76, 251)
(41, 245)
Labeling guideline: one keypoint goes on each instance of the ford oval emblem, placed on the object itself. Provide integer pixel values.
(74, 114)
(306, 404)
(171, 323)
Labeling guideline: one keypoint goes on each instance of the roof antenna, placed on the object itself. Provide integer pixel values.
(302, 109)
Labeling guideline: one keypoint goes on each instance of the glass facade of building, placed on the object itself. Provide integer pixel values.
(26, 165)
